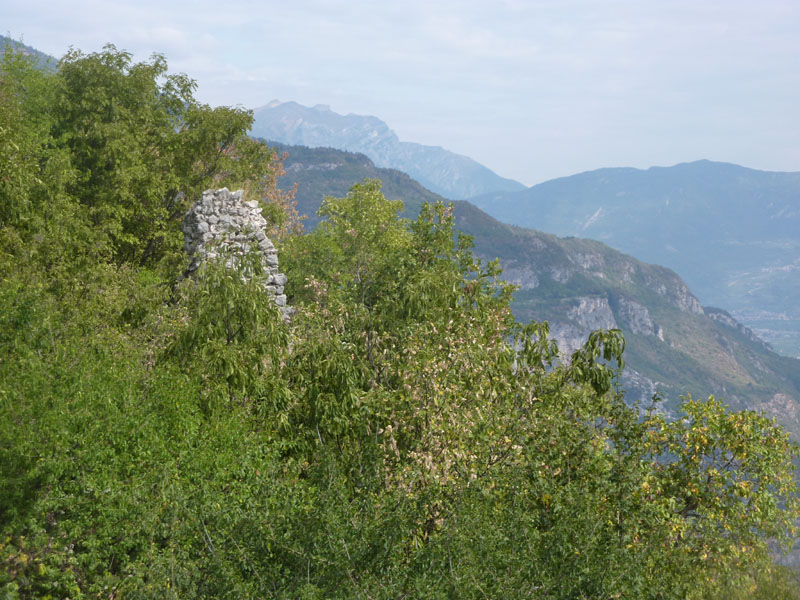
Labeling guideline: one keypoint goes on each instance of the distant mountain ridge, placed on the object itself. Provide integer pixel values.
(44, 61)
(673, 344)
(732, 233)
(441, 171)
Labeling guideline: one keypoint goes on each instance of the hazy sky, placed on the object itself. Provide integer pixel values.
(532, 89)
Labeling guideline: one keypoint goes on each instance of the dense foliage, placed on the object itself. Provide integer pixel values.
(404, 436)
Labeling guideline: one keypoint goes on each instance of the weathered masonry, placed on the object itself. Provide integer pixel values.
(222, 224)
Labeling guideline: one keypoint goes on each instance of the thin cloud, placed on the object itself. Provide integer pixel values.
(533, 89)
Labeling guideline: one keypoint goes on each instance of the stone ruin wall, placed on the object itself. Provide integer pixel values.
(222, 223)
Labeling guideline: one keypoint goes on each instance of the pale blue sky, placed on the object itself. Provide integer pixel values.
(532, 89)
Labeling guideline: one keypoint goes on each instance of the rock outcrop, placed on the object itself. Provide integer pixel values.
(668, 285)
(724, 317)
(582, 316)
(636, 316)
(223, 225)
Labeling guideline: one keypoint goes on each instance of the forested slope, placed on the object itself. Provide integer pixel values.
(403, 436)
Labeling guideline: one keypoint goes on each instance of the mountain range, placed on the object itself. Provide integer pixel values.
(674, 345)
(732, 233)
(444, 172)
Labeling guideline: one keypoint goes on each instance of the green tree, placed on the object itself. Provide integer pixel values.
(233, 337)
(725, 481)
(144, 147)
(504, 469)
(125, 143)
(403, 436)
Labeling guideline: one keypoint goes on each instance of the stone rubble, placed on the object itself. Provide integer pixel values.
(223, 223)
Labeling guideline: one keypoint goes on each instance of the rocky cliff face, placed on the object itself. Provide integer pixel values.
(636, 317)
(446, 173)
(582, 315)
(670, 286)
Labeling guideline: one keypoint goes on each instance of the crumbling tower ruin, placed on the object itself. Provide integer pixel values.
(221, 223)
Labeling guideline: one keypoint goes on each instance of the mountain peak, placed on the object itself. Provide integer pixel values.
(446, 173)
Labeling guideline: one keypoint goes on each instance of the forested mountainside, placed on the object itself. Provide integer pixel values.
(167, 431)
(674, 346)
(321, 172)
(732, 233)
(446, 173)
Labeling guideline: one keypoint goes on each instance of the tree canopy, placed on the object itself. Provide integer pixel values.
(403, 436)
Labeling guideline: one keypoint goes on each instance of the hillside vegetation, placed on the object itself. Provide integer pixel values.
(674, 346)
(320, 172)
(403, 437)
